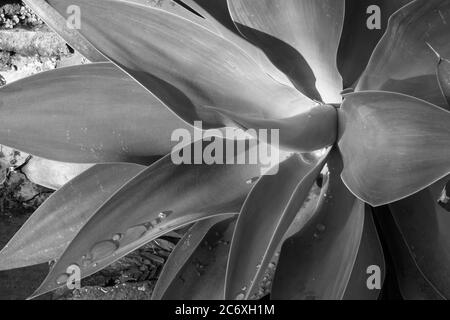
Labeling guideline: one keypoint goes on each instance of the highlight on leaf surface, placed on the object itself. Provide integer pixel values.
(393, 145)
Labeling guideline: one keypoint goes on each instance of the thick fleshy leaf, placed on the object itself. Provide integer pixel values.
(218, 16)
(52, 174)
(403, 61)
(370, 253)
(412, 283)
(186, 66)
(51, 228)
(393, 145)
(317, 262)
(203, 275)
(254, 244)
(85, 114)
(424, 226)
(358, 40)
(444, 79)
(175, 8)
(182, 253)
(301, 37)
(59, 24)
(311, 130)
(162, 198)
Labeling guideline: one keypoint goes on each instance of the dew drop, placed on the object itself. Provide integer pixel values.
(62, 279)
(240, 296)
(320, 227)
(117, 237)
(103, 249)
(244, 288)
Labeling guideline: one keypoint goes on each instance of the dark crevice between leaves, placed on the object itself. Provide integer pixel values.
(287, 59)
(184, 5)
(390, 289)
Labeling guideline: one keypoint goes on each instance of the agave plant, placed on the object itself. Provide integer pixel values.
(373, 102)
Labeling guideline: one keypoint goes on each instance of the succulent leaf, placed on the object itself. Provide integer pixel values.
(202, 276)
(90, 113)
(393, 145)
(300, 37)
(217, 15)
(318, 261)
(160, 199)
(403, 61)
(273, 202)
(358, 40)
(444, 79)
(423, 224)
(59, 24)
(52, 174)
(182, 253)
(412, 282)
(186, 66)
(51, 228)
(311, 130)
(370, 253)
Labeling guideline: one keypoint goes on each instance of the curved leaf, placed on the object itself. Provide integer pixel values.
(403, 62)
(358, 40)
(311, 130)
(59, 24)
(51, 228)
(162, 198)
(273, 203)
(444, 79)
(412, 283)
(203, 275)
(52, 174)
(185, 249)
(217, 15)
(85, 114)
(393, 145)
(370, 253)
(300, 37)
(318, 261)
(424, 226)
(183, 64)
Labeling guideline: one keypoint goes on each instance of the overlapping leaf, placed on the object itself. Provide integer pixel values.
(412, 283)
(301, 37)
(403, 61)
(52, 174)
(162, 198)
(274, 202)
(85, 114)
(203, 275)
(51, 228)
(358, 40)
(60, 25)
(218, 19)
(184, 275)
(393, 145)
(318, 261)
(185, 65)
(309, 131)
(444, 79)
(424, 224)
(370, 254)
